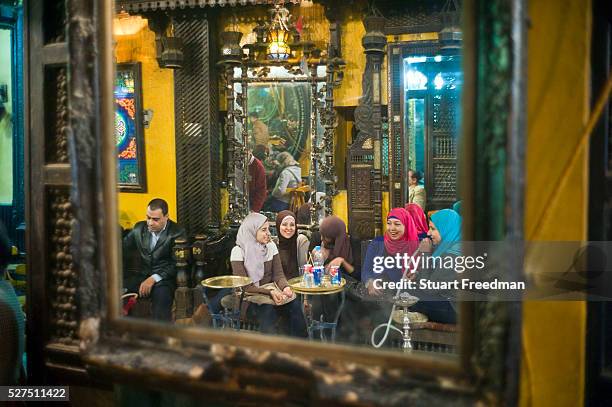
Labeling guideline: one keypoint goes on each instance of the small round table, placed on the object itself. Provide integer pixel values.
(226, 317)
(320, 325)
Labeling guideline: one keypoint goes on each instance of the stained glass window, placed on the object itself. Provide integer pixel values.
(128, 131)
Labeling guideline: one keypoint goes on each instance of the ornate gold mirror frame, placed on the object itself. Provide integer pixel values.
(254, 367)
(320, 77)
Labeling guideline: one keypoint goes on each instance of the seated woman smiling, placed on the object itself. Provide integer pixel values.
(256, 256)
(440, 304)
(292, 246)
(401, 237)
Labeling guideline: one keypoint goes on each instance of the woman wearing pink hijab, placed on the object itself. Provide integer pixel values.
(419, 218)
(401, 238)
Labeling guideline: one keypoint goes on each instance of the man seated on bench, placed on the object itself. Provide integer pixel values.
(151, 244)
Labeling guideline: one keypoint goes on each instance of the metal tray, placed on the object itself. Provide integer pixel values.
(227, 282)
(296, 285)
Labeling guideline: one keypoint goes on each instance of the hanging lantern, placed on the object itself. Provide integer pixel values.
(278, 46)
(278, 35)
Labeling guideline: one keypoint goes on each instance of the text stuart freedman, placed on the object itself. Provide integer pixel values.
(463, 284)
(416, 264)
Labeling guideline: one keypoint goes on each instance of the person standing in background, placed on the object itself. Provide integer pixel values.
(290, 177)
(416, 192)
(257, 184)
(260, 134)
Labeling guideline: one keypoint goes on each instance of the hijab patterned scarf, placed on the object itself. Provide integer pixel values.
(287, 248)
(333, 228)
(254, 253)
(409, 241)
(448, 223)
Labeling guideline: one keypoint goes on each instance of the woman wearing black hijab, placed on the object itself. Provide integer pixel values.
(292, 246)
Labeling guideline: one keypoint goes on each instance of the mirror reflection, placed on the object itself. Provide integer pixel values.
(292, 203)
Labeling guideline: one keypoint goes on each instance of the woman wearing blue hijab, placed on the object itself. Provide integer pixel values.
(445, 233)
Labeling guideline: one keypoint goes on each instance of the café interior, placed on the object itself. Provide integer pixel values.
(202, 194)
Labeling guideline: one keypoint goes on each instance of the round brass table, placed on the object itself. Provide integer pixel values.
(226, 317)
(320, 325)
(219, 282)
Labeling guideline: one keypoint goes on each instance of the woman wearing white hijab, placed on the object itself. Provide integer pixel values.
(256, 256)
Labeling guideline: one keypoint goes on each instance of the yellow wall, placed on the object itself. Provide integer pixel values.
(158, 95)
(340, 205)
(552, 371)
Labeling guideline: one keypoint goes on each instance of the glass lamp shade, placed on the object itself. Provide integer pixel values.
(278, 47)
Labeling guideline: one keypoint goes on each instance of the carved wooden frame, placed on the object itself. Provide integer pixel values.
(254, 367)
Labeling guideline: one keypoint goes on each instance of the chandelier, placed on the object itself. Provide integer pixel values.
(277, 40)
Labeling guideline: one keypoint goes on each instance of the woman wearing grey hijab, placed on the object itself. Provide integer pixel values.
(256, 256)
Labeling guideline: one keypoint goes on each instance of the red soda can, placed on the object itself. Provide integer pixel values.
(334, 275)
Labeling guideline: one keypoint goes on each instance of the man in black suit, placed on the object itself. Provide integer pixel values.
(151, 244)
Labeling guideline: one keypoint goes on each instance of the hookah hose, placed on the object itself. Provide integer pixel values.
(388, 324)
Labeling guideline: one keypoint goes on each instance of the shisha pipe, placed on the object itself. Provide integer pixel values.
(403, 300)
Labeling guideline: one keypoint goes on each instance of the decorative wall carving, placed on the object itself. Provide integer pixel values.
(196, 127)
(445, 180)
(138, 6)
(329, 121)
(362, 186)
(423, 17)
(56, 131)
(63, 277)
(55, 27)
(365, 149)
(86, 124)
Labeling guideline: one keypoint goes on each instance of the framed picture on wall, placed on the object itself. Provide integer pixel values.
(129, 136)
